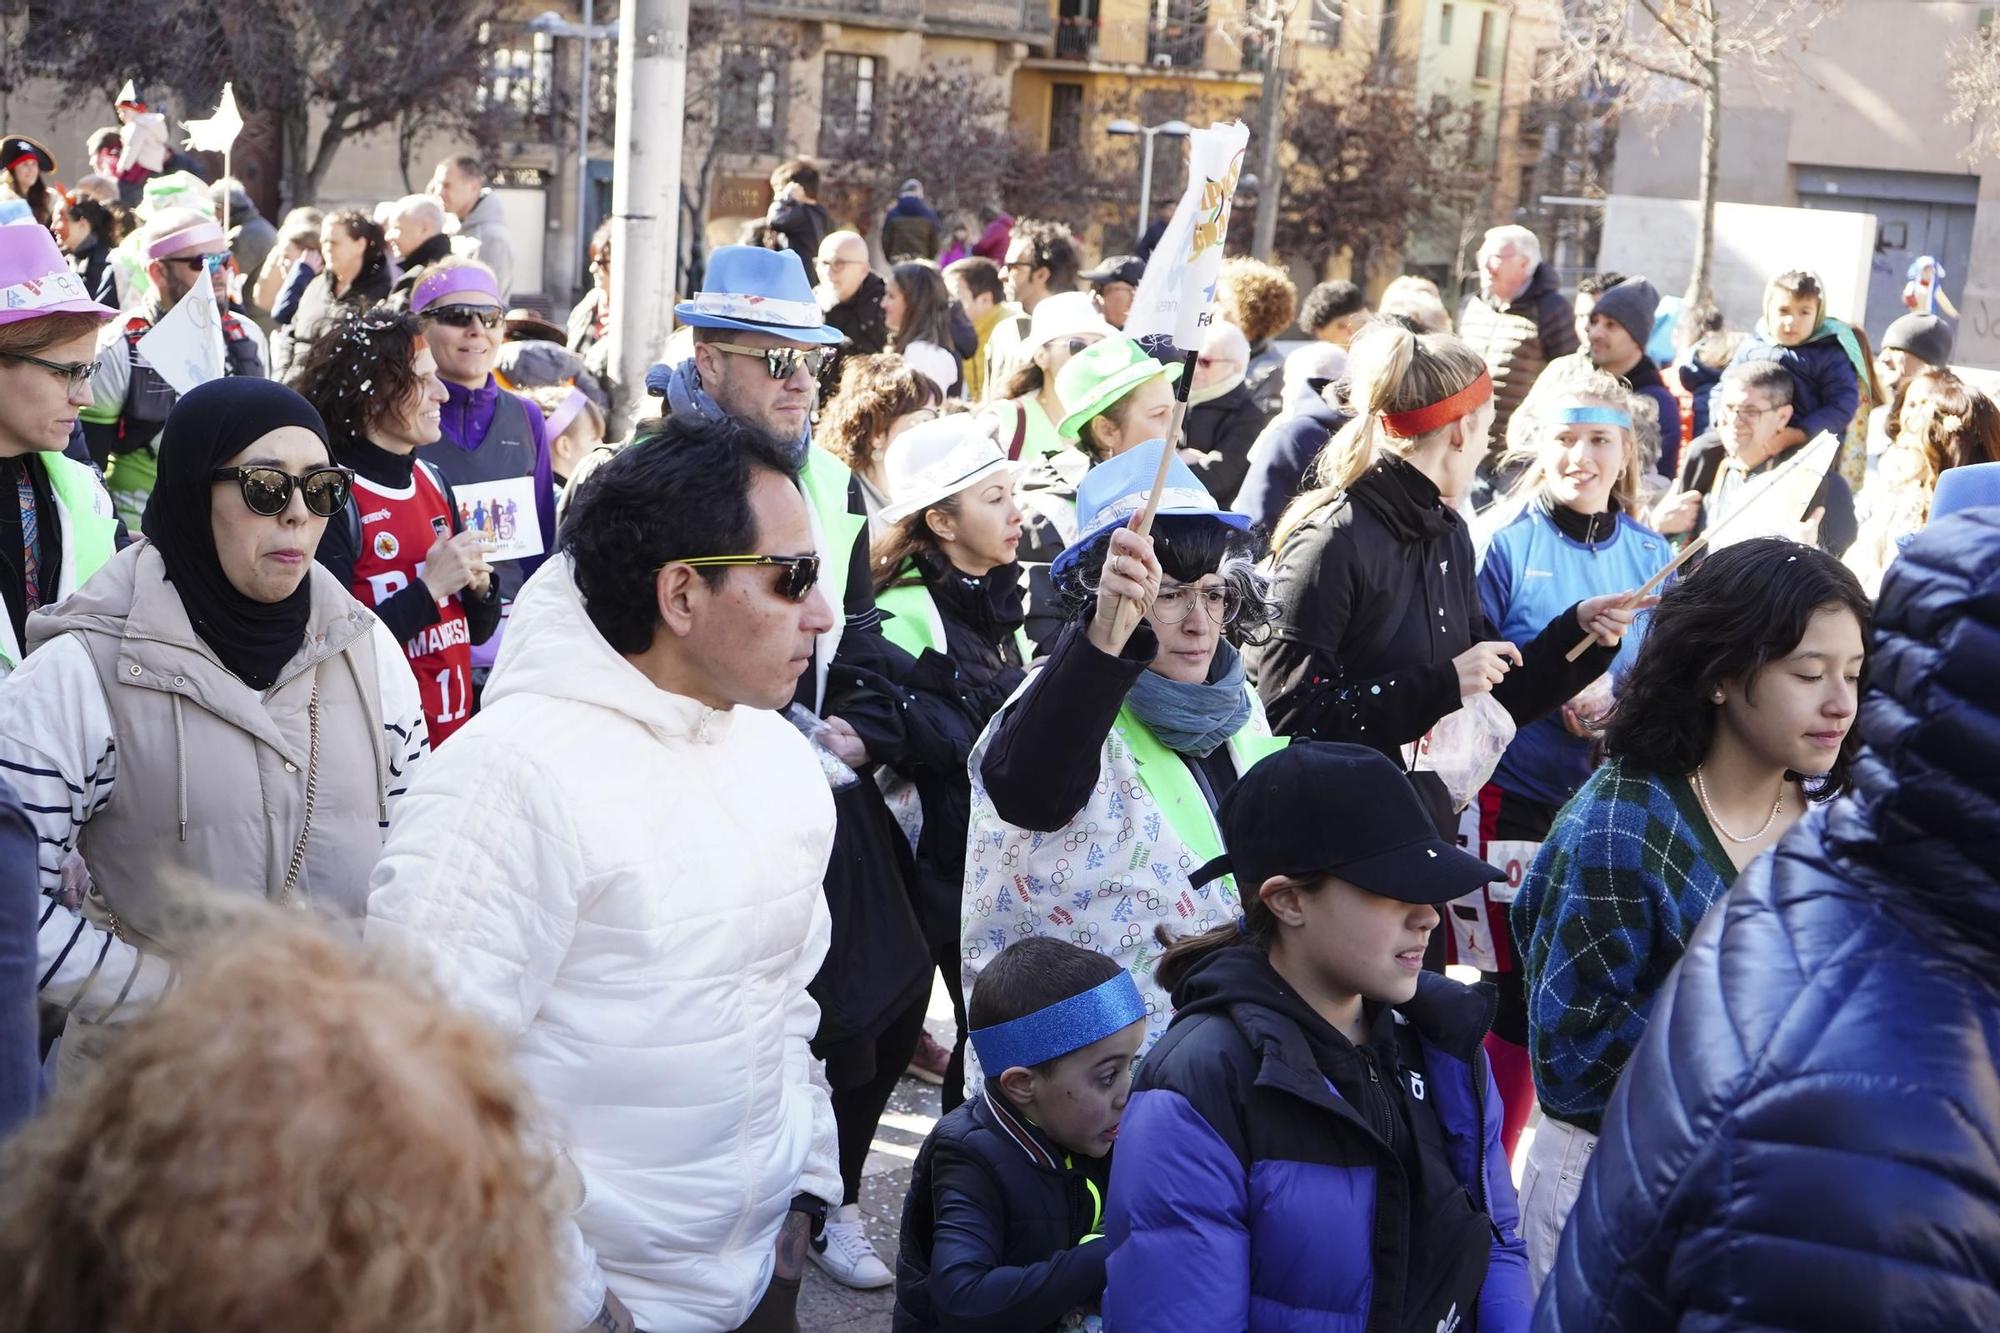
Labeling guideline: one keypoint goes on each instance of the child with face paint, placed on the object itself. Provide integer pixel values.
(1003, 1226)
(1574, 537)
(1316, 1139)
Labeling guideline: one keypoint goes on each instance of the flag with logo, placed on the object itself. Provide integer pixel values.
(1175, 302)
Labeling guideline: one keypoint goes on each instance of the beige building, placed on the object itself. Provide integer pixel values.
(1856, 121)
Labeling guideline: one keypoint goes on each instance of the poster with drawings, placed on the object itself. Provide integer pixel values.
(505, 512)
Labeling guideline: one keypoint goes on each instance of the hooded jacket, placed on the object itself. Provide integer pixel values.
(1280, 1201)
(1275, 472)
(910, 229)
(626, 883)
(1518, 338)
(1804, 1138)
(1826, 387)
(482, 234)
(131, 743)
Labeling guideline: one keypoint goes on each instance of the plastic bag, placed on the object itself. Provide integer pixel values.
(1464, 747)
(839, 776)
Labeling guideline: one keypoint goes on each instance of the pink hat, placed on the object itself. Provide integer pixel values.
(174, 230)
(453, 280)
(36, 280)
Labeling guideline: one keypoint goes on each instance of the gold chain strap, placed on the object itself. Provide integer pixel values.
(312, 790)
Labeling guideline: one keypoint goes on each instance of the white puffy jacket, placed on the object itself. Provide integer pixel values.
(628, 884)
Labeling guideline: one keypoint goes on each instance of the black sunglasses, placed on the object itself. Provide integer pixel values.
(268, 490)
(801, 572)
(781, 363)
(461, 316)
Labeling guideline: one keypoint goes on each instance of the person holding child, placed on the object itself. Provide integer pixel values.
(1315, 1143)
(1821, 354)
(1003, 1227)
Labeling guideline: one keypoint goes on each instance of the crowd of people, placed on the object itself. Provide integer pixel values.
(482, 876)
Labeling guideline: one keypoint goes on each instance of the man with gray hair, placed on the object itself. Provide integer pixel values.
(1750, 409)
(1518, 321)
(460, 185)
(417, 239)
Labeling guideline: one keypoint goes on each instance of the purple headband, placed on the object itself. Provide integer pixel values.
(458, 278)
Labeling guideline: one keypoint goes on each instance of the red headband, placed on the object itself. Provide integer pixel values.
(1423, 420)
(25, 157)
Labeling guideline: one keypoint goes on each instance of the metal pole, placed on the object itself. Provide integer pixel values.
(645, 194)
(583, 154)
(1145, 187)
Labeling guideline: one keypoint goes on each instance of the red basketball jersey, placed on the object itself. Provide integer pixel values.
(398, 528)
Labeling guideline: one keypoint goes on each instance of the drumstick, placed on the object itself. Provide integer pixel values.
(1644, 589)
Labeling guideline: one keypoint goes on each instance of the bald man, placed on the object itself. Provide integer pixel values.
(851, 295)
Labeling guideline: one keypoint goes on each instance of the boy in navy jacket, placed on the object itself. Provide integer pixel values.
(1820, 353)
(1003, 1225)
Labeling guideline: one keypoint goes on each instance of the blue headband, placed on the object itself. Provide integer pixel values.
(1065, 1026)
(1593, 416)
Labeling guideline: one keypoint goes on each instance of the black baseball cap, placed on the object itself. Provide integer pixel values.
(1117, 268)
(1319, 808)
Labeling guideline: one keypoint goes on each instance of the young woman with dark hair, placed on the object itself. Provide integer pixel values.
(948, 584)
(89, 233)
(917, 309)
(1094, 790)
(356, 276)
(400, 546)
(1738, 714)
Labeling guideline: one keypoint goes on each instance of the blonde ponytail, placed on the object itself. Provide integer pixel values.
(1390, 369)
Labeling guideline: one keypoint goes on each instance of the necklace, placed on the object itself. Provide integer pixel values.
(1701, 790)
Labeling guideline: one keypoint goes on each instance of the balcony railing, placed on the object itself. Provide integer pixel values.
(1076, 38)
(1177, 44)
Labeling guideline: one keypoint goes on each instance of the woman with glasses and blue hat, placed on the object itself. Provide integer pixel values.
(1094, 791)
(950, 590)
(212, 715)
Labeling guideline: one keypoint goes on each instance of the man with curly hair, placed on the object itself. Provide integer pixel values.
(1261, 300)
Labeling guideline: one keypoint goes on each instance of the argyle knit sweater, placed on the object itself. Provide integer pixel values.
(1625, 875)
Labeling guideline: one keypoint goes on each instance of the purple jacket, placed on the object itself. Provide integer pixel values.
(467, 416)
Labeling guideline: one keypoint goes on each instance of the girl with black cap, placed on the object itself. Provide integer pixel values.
(212, 715)
(1315, 1142)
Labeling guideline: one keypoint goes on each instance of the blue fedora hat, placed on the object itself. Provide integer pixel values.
(1974, 486)
(759, 291)
(1116, 489)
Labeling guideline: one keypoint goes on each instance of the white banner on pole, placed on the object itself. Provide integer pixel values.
(186, 345)
(1176, 297)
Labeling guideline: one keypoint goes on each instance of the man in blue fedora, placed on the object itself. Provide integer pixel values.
(759, 345)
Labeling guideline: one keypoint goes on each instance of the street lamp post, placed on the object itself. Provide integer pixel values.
(1173, 129)
(555, 25)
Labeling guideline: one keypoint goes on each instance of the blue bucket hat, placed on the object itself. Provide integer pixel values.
(1117, 488)
(758, 291)
(1974, 486)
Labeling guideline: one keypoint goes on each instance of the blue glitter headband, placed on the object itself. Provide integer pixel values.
(1065, 1026)
(1593, 416)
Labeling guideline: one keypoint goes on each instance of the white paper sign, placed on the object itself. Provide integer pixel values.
(1176, 296)
(186, 345)
(504, 511)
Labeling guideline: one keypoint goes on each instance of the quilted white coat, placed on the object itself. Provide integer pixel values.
(627, 883)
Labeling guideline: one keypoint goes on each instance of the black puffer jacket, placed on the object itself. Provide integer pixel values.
(1805, 1137)
(1225, 427)
(1375, 597)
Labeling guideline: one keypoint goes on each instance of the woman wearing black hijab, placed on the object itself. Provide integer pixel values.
(211, 717)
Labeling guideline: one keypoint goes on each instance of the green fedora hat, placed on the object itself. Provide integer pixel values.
(1100, 375)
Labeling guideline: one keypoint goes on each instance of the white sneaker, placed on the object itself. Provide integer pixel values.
(843, 1251)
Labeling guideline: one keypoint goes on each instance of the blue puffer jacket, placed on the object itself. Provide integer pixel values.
(1826, 386)
(1249, 1192)
(1805, 1137)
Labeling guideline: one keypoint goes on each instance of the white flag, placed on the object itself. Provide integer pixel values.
(1176, 297)
(219, 131)
(1773, 504)
(186, 345)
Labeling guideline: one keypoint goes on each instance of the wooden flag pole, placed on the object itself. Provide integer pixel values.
(1173, 444)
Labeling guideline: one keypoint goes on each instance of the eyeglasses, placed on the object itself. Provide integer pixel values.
(78, 373)
(1728, 409)
(213, 263)
(781, 363)
(1019, 263)
(268, 490)
(1176, 604)
(461, 316)
(801, 572)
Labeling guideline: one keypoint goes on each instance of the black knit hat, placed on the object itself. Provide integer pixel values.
(1926, 337)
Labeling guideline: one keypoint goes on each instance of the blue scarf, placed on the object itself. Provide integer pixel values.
(680, 385)
(1194, 719)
